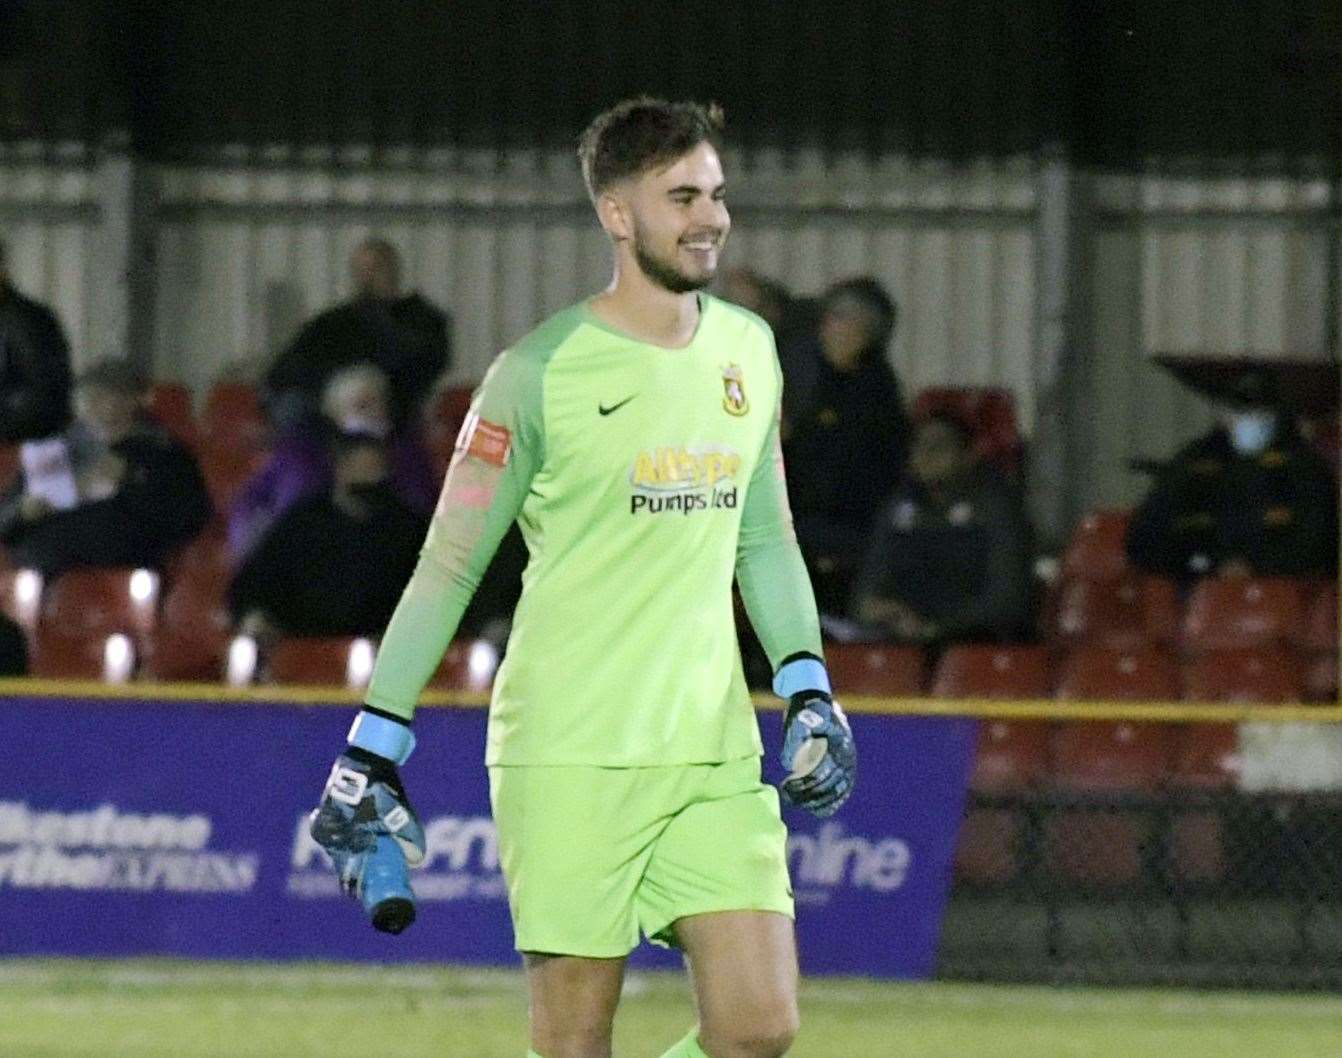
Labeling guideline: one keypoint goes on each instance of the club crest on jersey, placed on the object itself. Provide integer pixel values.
(734, 390)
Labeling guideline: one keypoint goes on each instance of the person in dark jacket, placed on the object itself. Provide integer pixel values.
(403, 334)
(13, 649)
(136, 493)
(844, 432)
(337, 562)
(1249, 498)
(951, 556)
(34, 366)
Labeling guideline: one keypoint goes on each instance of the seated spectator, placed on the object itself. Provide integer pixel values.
(334, 563)
(34, 366)
(1250, 498)
(792, 319)
(844, 433)
(355, 399)
(402, 334)
(952, 551)
(115, 490)
(13, 649)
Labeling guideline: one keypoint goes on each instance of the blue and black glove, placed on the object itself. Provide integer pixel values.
(365, 822)
(818, 750)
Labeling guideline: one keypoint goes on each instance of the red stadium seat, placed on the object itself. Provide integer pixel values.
(990, 415)
(467, 665)
(193, 636)
(1269, 676)
(233, 417)
(1127, 612)
(1206, 756)
(1012, 755)
(21, 596)
(333, 661)
(1226, 613)
(226, 470)
(1321, 677)
(170, 405)
(1097, 549)
(442, 422)
(205, 562)
(1103, 755)
(95, 602)
(1097, 848)
(987, 851)
(1319, 634)
(895, 672)
(55, 653)
(992, 671)
(1100, 673)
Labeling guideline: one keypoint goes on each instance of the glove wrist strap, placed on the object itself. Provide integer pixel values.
(386, 738)
(804, 673)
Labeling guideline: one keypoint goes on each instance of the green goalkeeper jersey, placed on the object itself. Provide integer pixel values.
(643, 479)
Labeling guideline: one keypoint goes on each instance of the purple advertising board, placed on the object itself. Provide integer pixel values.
(135, 827)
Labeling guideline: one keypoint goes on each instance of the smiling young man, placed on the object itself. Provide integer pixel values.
(634, 438)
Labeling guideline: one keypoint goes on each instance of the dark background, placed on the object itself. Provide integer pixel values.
(1203, 84)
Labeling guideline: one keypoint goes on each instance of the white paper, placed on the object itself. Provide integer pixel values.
(48, 472)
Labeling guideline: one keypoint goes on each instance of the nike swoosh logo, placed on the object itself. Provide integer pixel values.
(603, 410)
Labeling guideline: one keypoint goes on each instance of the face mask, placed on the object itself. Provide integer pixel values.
(1251, 431)
(363, 424)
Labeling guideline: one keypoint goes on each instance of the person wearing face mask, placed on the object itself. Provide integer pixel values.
(404, 335)
(1250, 498)
(356, 399)
(132, 495)
(844, 432)
(334, 563)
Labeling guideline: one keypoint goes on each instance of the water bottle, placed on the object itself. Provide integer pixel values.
(384, 886)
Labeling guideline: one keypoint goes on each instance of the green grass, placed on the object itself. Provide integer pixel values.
(165, 1009)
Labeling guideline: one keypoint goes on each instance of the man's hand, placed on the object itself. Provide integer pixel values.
(366, 825)
(818, 749)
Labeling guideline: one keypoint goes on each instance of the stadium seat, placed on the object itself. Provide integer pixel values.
(1226, 613)
(21, 596)
(1269, 676)
(1012, 754)
(92, 601)
(205, 561)
(1319, 632)
(987, 851)
(1106, 755)
(1103, 673)
(9, 465)
(191, 643)
(332, 661)
(1097, 549)
(858, 668)
(1320, 677)
(442, 422)
(233, 417)
(1100, 848)
(1125, 612)
(55, 653)
(990, 414)
(226, 469)
(467, 665)
(1195, 848)
(1206, 756)
(170, 405)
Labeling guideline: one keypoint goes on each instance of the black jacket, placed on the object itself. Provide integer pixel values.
(34, 369)
(160, 504)
(1277, 511)
(407, 337)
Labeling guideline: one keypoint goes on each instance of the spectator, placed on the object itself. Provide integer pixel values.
(13, 649)
(1249, 498)
(402, 334)
(335, 563)
(951, 556)
(844, 432)
(34, 366)
(134, 493)
(355, 399)
(791, 319)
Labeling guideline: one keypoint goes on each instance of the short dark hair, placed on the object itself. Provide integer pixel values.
(640, 134)
(873, 297)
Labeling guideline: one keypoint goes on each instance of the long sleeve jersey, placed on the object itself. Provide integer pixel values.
(643, 480)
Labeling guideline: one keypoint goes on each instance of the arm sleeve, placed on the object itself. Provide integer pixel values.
(500, 448)
(769, 569)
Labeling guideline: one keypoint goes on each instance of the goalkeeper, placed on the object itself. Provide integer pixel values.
(634, 438)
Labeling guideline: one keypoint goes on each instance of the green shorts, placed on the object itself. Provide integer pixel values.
(592, 856)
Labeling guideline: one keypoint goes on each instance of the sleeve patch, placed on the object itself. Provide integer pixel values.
(487, 441)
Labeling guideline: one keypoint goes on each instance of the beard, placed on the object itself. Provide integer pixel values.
(665, 272)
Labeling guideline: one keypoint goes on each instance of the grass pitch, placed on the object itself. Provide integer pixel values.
(168, 1009)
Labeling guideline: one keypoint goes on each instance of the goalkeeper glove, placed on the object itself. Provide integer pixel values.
(365, 822)
(818, 750)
